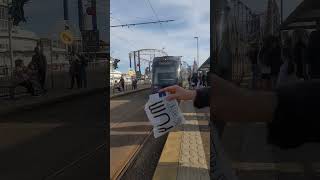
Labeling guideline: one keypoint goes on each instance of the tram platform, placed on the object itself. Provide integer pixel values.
(186, 152)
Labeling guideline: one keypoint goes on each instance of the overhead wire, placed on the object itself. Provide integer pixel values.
(156, 15)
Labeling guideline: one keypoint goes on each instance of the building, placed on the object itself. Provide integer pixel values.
(23, 42)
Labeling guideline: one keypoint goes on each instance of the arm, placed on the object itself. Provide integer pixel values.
(233, 104)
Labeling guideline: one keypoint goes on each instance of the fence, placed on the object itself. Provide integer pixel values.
(128, 87)
(58, 77)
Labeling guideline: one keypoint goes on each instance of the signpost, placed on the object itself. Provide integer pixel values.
(66, 37)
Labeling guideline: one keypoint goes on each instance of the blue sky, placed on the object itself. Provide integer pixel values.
(45, 17)
(191, 19)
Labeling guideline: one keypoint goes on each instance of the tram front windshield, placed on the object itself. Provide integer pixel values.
(165, 75)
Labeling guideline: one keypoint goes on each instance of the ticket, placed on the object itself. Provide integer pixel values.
(164, 115)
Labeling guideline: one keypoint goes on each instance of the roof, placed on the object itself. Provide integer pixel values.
(304, 16)
(205, 66)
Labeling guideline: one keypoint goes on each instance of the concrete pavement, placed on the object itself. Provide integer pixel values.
(60, 141)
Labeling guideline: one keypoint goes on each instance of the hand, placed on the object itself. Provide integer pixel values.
(179, 93)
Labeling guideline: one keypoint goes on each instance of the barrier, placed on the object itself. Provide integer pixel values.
(58, 77)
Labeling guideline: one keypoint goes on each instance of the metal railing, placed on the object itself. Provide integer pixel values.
(58, 77)
(128, 87)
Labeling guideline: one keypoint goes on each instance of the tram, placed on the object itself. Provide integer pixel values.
(166, 71)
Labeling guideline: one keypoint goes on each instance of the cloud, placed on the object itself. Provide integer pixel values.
(177, 37)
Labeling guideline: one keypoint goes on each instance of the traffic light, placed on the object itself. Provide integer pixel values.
(115, 63)
(16, 11)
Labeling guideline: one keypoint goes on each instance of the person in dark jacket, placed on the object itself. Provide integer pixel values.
(203, 80)
(285, 110)
(83, 70)
(74, 70)
(39, 64)
(122, 83)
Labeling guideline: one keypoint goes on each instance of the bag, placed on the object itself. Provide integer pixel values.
(164, 115)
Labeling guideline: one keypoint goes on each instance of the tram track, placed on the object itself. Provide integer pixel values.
(130, 161)
(75, 162)
(130, 130)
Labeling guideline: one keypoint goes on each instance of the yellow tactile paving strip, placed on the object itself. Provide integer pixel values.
(183, 154)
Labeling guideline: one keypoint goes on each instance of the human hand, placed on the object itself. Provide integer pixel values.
(179, 93)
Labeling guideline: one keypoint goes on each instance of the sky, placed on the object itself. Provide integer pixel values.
(177, 37)
(191, 19)
(45, 17)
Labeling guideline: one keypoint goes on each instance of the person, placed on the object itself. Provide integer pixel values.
(194, 80)
(204, 83)
(74, 70)
(313, 55)
(22, 77)
(39, 65)
(43, 70)
(253, 57)
(287, 72)
(291, 110)
(275, 60)
(135, 83)
(83, 70)
(299, 54)
(132, 83)
(199, 83)
(264, 61)
(122, 83)
(189, 81)
(117, 85)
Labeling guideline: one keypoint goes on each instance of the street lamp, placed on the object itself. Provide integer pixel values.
(197, 49)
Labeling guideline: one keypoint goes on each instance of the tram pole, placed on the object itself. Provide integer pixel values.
(197, 50)
(281, 9)
(10, 41)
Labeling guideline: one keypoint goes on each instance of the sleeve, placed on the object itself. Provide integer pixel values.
(202, 98)
(296, 118)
